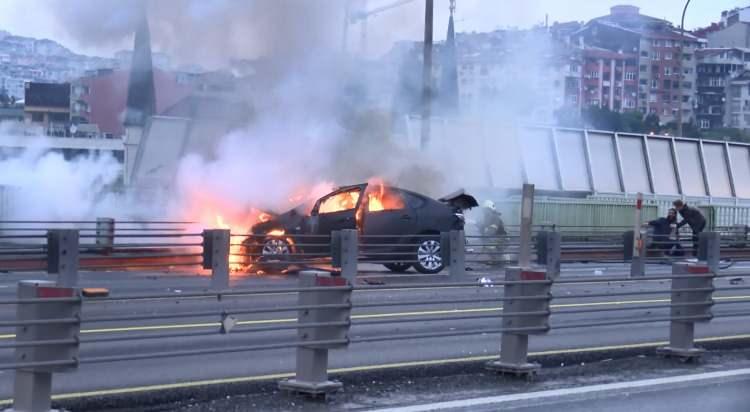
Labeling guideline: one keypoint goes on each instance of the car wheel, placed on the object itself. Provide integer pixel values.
(275, 247)
(397, 267)
(429, 257)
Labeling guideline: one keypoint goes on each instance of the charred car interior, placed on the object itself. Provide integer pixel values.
(401, 227)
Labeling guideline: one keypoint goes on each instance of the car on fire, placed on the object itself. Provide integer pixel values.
(398, 228)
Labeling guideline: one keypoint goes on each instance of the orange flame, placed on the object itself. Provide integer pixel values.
(212, 211)
(380, 199)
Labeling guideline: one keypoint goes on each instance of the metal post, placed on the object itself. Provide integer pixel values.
(349, 254)
(62, 256)
(638, 263)
(695, 305)
(33, 385)
(427, 75)
(527, 213)
(216, 243)
(457, 255)
(552, 254)
(312, 360)
(514, 346)
(740, 236)
(105, 235)
(679, 68)
(709, 249)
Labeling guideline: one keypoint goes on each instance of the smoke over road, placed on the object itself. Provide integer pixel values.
(319, 118)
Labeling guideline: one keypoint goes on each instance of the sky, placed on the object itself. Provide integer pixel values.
(34, 18)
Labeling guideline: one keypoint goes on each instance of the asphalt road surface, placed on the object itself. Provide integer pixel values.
(180, 372)
(724, 391)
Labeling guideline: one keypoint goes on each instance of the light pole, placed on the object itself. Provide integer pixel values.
(680, 74)
(427, 76)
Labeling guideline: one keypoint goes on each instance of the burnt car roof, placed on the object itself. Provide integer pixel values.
(460, 199)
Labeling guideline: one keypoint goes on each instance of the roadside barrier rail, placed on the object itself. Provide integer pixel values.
(326, 316)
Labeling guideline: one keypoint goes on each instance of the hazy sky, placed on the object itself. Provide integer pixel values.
(34, 18)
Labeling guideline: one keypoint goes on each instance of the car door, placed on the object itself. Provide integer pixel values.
(337, 211)
(393, 216)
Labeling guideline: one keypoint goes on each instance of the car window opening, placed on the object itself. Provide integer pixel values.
(340, 202)
(383, 199)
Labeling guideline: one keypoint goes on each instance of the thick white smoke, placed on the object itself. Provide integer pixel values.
(313, 121)
(43, 185)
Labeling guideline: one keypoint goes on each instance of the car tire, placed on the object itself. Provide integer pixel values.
(397, 267)
(275, 248)
(429, 259)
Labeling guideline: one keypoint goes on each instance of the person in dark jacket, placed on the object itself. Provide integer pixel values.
(665, 234)
(692, 217)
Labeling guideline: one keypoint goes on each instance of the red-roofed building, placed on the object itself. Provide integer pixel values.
(101, 97)
(663, 60)
(610, 79)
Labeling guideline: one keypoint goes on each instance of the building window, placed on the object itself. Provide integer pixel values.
(686, 70)
(657, 55)
(675, 98)
(686, 99)
(687, 85)
(644, 53)
(668, 43)
(705, 124)
(655, 43)
(667, 71)
(652, 98)
(644, 82)
(687, 57)
(668, 56)
(667, 84)
(629, 76)
(37, 117)
(644, 68)
(654, 83)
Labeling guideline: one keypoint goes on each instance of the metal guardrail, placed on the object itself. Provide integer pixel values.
(49, 316)
(168, 245)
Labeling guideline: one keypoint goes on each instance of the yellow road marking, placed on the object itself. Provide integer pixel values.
(371, 316)
(364, 368)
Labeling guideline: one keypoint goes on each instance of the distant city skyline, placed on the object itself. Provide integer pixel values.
(34, 18)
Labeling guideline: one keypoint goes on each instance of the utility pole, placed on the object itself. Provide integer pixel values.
(680, 75)
(345, 31)
(427, 75)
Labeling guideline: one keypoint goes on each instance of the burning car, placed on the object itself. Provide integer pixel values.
(399, 228)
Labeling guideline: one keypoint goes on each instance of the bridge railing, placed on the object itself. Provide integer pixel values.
(328, 310)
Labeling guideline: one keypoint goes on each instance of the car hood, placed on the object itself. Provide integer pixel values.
(290, 221)
(460, 199)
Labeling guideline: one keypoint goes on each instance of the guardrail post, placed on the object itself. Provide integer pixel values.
(328, 329)
(345, 252)
(62, 256)
(453, 247)
(105, 235)
(527, 214)
(688, 307)
(709, 249)
(740, 236)
(33, 384)
(527, 308)
(216, 256)
(548, 252)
